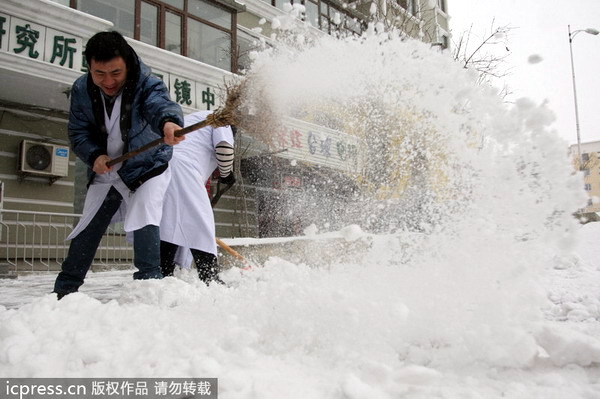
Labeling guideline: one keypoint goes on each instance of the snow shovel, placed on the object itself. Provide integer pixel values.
(233, 253)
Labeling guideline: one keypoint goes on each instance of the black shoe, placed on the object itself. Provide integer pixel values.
(167, 269)
(217, 279)
(213, 278)
(210, 276)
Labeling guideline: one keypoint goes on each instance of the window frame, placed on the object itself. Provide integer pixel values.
(331, 9)
(409, 6)
(184, 14)
(137, 32)
(232, 50)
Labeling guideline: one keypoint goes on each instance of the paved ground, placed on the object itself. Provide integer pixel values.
(16, 292)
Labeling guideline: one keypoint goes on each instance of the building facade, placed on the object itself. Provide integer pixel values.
(590, 167)
(193, 46)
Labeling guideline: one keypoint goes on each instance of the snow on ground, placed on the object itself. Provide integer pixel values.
(304, 331)
(573, 286)
(494, 300)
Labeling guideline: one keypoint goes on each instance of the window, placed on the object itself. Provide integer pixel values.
(586, 172)
(209, 45)
(200, 29)
(409, 6)
(585, 157)
(312, 13)
(119, 12)
(354, 26)
(173, 32)
(588, 187)
(442, 5)
(279, 3)
(175, 3)
(445, 41)
(149, 24)
(246, 43)
(210, 13)
(324, 17)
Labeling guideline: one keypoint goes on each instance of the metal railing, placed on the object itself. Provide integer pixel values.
(36, 241)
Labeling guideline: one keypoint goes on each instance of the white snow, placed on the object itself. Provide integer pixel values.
(306, 331)
(311, 230)
(337, 19)
(352, 232)
(373, 8)
(483, 287)
(275, 23)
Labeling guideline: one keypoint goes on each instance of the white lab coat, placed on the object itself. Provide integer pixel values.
(139, 208)
(188, 219)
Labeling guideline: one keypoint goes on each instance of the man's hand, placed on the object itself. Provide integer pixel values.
(100, 165)
(169, 131)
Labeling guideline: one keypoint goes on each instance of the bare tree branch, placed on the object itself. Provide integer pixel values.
(489, 56)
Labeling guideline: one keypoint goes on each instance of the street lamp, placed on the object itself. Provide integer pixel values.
(591, 31)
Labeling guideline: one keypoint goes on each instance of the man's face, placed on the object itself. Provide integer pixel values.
(109, 76)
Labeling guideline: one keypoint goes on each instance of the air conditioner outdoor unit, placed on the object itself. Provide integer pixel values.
(44, 159)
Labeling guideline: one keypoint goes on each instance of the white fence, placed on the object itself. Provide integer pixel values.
(35, 241)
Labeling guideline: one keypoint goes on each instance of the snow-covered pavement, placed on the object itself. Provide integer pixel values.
(297, 331)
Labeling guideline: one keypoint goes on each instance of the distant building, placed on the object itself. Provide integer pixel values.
(590, 166)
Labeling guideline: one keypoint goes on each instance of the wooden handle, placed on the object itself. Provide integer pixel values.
(230, 250)
(178, 133)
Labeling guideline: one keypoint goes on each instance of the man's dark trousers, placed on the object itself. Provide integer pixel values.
(146, 248)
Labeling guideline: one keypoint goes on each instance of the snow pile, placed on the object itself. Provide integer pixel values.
(575, 300)
(587, 247)
(457, 312)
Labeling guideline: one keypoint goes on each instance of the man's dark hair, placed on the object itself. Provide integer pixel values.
(104, 46)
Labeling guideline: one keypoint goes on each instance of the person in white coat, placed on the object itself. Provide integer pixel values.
(188, 221)
(119, 106)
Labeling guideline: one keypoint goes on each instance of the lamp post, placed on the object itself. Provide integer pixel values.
(591, 31)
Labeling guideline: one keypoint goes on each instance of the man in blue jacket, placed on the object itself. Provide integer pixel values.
(117, 107)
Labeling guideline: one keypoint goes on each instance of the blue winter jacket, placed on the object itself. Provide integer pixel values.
(145, 107)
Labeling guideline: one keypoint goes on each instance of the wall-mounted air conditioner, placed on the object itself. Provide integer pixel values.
(43, 159)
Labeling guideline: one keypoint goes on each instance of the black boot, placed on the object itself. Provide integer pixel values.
(167, 258)
(59, 295)
(208, 268)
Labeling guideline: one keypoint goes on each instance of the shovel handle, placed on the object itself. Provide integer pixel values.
(154, 143)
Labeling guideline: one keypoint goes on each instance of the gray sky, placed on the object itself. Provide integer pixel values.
(540, 28)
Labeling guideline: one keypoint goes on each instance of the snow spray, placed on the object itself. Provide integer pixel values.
(486, 187)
